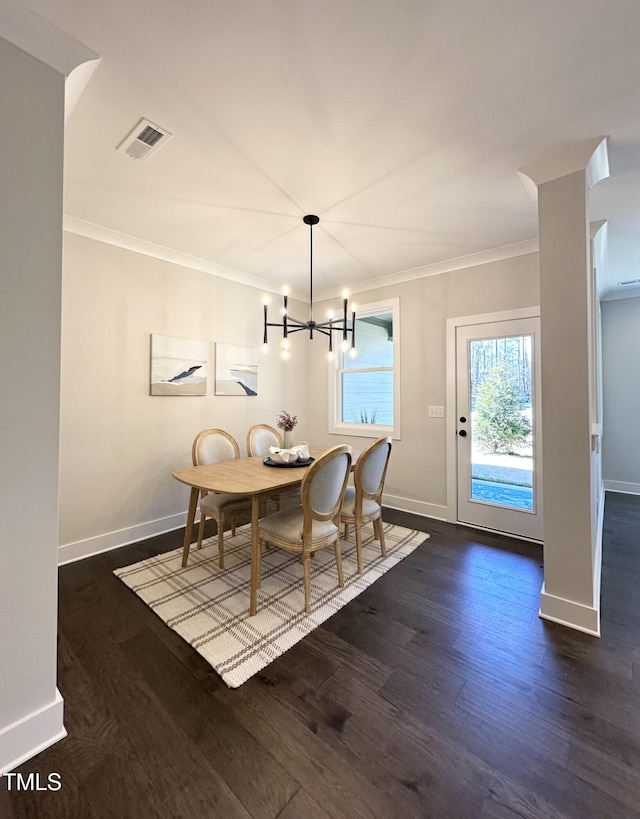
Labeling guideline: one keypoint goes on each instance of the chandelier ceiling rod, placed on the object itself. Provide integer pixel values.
(311, 220)
(289, 324)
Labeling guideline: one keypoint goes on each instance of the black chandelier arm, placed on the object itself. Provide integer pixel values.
(312, 329)
(318, 329)
(293, 325)
(334, 325)
(295, 328)
(291, 320)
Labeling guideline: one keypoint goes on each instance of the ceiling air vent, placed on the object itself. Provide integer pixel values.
(144, 140)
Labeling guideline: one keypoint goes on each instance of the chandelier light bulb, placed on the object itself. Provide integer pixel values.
(345, 345)
(285, 343)
(330, 355)
(265, 299)
(345, 293)
(285, 354)
(353, 352)
(265, 349)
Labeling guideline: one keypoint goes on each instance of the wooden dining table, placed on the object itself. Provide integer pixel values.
(243, 476)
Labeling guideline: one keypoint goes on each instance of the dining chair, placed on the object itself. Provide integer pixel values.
(363, 501)
(211, 446)
(259, 438)
(315, 523)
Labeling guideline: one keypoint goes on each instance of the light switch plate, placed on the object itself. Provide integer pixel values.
(436, 412)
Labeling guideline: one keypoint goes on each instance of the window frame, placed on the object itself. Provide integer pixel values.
(336, 425)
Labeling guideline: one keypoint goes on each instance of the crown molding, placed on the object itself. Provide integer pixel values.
(497, 254)
(90, 230)
(71, 224)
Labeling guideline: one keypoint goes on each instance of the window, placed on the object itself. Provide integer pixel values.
(364, 389)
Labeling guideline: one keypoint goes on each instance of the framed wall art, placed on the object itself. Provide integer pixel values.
(178, 366)
(236, 370)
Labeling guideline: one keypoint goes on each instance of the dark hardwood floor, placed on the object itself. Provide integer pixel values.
(436, 693)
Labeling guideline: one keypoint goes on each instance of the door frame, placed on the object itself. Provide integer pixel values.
(451, 416)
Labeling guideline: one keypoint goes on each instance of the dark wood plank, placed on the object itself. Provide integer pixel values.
(425, 770)
(302, 806)
(506, 800)
(246, 766)
(436, 693)
(325, 774)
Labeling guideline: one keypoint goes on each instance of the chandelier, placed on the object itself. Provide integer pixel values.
(289, 324)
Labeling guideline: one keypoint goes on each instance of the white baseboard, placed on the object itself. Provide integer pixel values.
(70, 552)
(569, 613)
(427, 510)
(79, 549)
(497, 532)
(25, 738)
(622, 486)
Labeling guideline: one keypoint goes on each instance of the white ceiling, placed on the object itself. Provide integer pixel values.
(401, 124)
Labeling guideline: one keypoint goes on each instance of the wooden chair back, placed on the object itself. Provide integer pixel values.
(211, 446)
(371, 469)
(260, 437)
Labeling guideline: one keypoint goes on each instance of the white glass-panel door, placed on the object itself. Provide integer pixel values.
(498, 426)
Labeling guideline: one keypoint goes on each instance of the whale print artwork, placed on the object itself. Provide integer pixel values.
(178, 365)
(236, 370)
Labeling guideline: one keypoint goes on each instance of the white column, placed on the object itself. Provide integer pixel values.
(31, 153)
(570, 594)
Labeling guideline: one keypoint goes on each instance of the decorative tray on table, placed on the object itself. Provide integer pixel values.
(305, 462)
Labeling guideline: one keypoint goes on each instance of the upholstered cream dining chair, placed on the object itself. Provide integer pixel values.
(363, 501)
(316, 522)
(260, 437)
(211, 446)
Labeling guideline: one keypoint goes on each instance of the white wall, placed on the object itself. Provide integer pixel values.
(31, 140)
(118, 443)
(621, 399)
(417, 476)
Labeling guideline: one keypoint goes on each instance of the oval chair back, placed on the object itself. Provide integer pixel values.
(211, 446)
(371, 469)
(260, 437)
(363, 502)
(324, 485)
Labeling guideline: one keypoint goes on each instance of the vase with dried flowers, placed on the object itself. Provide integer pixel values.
(287, 424)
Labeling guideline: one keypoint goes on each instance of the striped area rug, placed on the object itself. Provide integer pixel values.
(209, 606)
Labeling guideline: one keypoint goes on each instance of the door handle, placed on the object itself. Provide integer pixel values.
(462, 433)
